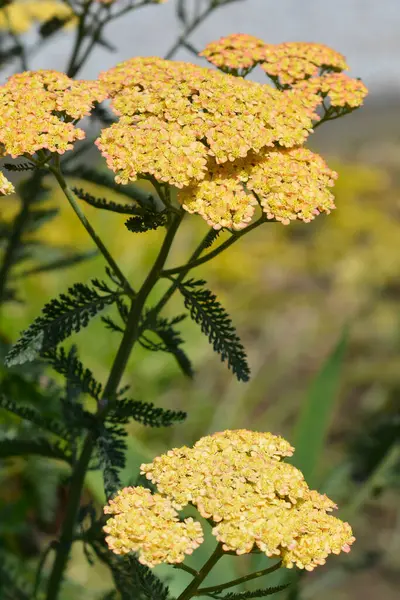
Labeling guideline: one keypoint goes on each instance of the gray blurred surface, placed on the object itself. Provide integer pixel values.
(366, 31)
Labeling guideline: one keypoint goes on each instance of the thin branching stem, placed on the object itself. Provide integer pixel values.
(193, 587)
(224, 586)
(129, 338)
(210, 255)
(69, 194)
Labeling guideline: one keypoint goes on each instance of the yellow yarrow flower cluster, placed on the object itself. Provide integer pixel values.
(341, 89)
(238, 481)
(148, 523)
(236, 51)
(38, 110)
(19, 16)
(315, 70)
(202, 130)
(6, 187)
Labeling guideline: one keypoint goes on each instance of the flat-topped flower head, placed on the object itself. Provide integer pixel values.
(148, 524)
(6, 187)
(217, 116)
(342, 90)
(237, 51)
(289, 184)
(239, 481)
(46, 120)
(295, 61)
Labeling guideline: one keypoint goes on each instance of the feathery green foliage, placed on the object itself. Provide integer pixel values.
(261, 593)
(145, 413)
(171, 340)
(216, 324)
(60, 317)
(69, 365)
(146, 222)
(104, 204)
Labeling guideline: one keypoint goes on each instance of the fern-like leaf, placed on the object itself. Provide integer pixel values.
(106, 179)
(143, 412)
(170, 338)
(33, 416)
(61, 316)
(111, 449)
(216, 324)
(210, 238)
(38, 447)
(69, 365)
(132, 579)
(19, 167)
(112, 325)
(146, 222)
(102, 203)
(261, 593)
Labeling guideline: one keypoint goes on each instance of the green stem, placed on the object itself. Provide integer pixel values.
(82, 217)
(195, 262)
(244, 579)
(110, 390)
(181, 276)
(67, 531)
(132, 327)
(192, 588)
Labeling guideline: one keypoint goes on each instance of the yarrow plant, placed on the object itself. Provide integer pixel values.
(214, 144)
(239, 483)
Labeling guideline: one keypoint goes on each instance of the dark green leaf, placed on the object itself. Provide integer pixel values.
(33, 416)
(133, 580)
(106, 179)
(261, 593)
(73, 370)
(104, 204)
(216, 324)
(171, 340)
(111, 449)
(61, 316)
(39, 447)
(146, 222)
(143, 412)
(19, 167)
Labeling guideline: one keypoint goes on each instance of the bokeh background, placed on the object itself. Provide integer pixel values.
(306, 297)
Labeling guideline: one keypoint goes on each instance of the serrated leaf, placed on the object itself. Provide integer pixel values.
(146, 222)
(106, 179)
(104, 204)
(170, 338)
(132, 579)
(19, 167)
(111, 449)
(69, 365)
(33, 416)
(261, 593)
(40, 447)
(60, 318)
(216, 324)
(143, 412)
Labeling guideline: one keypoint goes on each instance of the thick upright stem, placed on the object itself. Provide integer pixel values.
(192, 588)
(110, 390)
